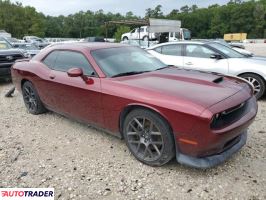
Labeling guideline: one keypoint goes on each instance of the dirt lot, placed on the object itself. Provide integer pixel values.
(82, 163)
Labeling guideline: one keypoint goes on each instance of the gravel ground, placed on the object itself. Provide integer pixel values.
(81, 162)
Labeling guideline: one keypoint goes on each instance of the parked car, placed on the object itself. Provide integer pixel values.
(39, 42)
(12, 40)
(140, 43)
(93, 39)
(30, 48)
(213, 57)
(139, 33)
(160, 111)
(8, 56)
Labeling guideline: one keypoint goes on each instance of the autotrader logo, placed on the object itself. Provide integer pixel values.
(27, 193)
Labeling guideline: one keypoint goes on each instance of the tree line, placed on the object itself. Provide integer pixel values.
(211, 22)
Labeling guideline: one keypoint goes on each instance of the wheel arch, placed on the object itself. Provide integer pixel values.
(126, 110)
(254, 74)
(24, 80)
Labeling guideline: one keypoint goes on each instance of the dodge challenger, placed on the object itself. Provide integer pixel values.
(160, 111)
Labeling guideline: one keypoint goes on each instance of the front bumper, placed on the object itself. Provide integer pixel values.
(213, 160)
(5, 70)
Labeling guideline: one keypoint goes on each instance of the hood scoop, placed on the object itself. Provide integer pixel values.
(218, 80)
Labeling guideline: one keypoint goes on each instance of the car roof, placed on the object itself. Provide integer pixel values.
(181, 42)
(87, 45)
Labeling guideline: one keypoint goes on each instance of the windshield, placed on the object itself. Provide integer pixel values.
(28, 47)
(187, 34)
(231, 53)
(114, 61)
(4, 44)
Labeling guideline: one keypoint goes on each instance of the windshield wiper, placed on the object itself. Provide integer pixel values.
(129, 73)
(164, 67)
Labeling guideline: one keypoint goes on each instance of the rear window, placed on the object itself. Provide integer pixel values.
(173, 50)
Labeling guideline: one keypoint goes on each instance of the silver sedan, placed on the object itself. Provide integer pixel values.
(213, 57)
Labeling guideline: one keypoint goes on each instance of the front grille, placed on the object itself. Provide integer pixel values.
(230, 115)
(10, 58)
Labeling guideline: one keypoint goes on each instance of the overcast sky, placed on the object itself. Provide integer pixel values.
(65, 7)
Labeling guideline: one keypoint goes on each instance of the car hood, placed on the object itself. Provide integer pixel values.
(10, 51)
(258, 58)
(200, 88)
(254, 63)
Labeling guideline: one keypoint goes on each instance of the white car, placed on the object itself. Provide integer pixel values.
(213, 57)
(138, 33)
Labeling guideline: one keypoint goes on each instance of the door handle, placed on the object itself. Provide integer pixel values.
(51, 76)
(189, 63)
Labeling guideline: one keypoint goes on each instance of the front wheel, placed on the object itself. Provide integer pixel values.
(148, 137)
(31, 99)
(257, 82)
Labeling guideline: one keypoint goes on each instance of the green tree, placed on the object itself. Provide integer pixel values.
(121, 30)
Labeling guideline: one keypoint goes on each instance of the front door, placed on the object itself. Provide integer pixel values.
(72, 96)
(198, 57)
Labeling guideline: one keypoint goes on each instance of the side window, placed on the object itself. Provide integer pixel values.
(198, 51)
(173, 50)
(141, 29)
(171, 34)
(50, 59)
(69, 59)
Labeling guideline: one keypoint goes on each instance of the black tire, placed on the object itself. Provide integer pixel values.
(145, 38)
(257, 82)
(31, 99)
(125, 38)
(158, 149)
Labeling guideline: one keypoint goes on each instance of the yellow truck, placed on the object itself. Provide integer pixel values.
(235, 36)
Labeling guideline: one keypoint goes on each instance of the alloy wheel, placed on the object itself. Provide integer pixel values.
(30, 98)
(145, 139)
(256, 84)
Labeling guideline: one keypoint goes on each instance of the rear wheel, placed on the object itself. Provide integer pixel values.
(257, 82)
(148, 137)
(31, 99)
(125, 38)
(145, 38)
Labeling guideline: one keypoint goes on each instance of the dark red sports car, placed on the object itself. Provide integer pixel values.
(161, 111)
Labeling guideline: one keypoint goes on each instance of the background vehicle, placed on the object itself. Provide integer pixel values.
(39, 42)
(142, 44)
(125, 90)
(184, 34)
(30, 48)
(213, 57)
(143, 34)
(12, 40)
(3, 33)
(93, 39)
(8, 56)
(139, 33)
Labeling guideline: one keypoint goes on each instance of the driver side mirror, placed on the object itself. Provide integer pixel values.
(75, 72)
(216, 56)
